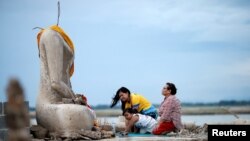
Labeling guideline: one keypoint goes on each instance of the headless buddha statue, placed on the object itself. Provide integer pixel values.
(56, 53)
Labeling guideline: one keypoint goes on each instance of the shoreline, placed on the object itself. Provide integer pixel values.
(192, 110)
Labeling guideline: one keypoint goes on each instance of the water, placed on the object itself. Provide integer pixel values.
(197, 119)
(212, 119)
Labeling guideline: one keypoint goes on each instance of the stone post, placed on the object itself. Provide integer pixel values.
(16, 114)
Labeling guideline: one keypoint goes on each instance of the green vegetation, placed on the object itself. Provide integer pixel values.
(220, 103)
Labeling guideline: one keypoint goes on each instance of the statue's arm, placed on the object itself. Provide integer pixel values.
(54, 44)
(63, 89)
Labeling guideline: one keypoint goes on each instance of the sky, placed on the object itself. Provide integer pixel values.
(203, 47)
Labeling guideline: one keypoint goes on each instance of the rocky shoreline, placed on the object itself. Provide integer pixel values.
(190, 132)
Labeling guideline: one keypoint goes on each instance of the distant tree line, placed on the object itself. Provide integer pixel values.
(220, 103)
(185, 104)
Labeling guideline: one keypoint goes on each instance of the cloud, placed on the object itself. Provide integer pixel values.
(202, 46)
(216, 21)
(240, 68)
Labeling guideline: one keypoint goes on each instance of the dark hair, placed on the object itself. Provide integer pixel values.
(129, 110)
(116, 98)
(171, 87)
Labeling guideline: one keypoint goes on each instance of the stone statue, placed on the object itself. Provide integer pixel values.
(56, 67)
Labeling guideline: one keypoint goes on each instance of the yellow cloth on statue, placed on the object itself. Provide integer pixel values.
(66, 39)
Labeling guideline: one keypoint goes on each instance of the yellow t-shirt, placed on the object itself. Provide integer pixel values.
(138, 102)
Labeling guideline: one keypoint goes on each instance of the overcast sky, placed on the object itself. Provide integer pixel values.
(202, 46)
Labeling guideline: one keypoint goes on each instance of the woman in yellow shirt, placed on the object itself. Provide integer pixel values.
(134, 101)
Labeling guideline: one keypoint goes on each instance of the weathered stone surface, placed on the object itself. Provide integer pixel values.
(16, 113)
(56, 59)
(106, 127)
(91, 134)
(107, 134)
(39, 132)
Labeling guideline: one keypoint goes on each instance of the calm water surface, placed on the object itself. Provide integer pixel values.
(197, 119)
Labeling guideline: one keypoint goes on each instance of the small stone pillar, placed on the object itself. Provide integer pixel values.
(16, 113)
